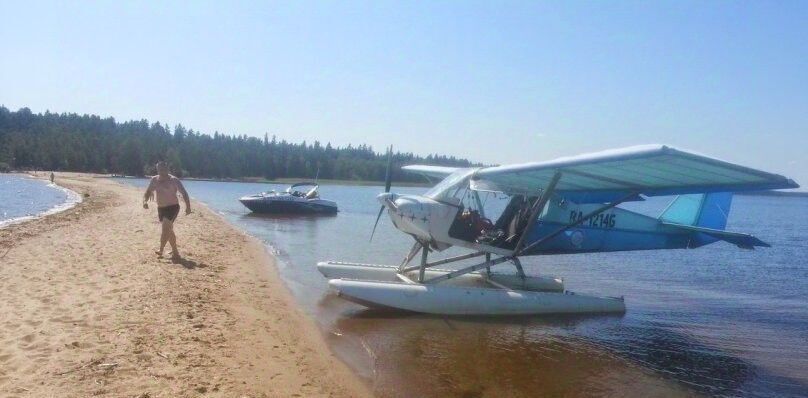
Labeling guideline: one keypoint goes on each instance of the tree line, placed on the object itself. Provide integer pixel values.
(89, 143)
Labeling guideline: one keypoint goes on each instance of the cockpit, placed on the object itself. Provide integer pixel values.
(491, 218)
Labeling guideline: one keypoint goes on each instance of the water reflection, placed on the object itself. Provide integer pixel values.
(412, 354)
(424, 355)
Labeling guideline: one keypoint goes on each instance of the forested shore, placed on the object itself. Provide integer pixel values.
(90, 143)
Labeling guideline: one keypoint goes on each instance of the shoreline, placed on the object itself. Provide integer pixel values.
(72, 200)
(92, 311)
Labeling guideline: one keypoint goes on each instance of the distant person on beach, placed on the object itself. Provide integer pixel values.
(164, 188)
(51, 177)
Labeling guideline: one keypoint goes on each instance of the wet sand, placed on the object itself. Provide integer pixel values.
(89, 310)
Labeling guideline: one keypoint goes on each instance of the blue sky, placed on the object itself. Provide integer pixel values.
(498, 82)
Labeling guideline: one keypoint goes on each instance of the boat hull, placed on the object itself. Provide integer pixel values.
(270, 206)
(387, 273)
(456, 300)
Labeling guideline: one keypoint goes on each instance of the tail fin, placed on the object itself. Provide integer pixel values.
(705, 215)
(708, 210)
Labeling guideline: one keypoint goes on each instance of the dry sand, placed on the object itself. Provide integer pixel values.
(87, 309)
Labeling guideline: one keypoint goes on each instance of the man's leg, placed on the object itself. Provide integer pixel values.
(165, 233)
(172, 239)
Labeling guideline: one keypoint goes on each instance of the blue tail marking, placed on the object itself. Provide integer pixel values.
(705, 216)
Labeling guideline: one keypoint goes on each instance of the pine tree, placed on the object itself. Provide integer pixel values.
(89, 143)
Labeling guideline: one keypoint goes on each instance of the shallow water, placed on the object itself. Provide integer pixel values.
(23, 197)
(715, 321)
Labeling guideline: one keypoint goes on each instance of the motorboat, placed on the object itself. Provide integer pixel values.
(299, 198)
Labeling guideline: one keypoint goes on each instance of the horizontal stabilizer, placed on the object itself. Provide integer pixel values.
(744, 241)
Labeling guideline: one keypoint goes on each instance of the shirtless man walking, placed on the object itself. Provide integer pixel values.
(164, 187)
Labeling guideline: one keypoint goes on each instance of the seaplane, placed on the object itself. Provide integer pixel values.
(563, 206)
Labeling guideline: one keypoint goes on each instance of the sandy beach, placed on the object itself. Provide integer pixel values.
(89, 310)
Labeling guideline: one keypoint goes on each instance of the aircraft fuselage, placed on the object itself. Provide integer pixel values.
(615, 229)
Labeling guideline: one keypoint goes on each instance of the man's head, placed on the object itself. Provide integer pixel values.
(162, 168)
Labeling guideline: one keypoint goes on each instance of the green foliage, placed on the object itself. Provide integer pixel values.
(89, 143)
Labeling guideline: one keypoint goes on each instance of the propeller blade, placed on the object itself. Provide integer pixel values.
(376, 223)
(388, 180)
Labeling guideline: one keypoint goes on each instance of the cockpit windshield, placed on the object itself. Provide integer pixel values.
(447, 188)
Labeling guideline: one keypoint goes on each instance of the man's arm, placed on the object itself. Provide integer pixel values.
(185, 196)
(148, 194)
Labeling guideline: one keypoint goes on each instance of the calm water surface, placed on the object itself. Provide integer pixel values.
(23, 197)
(716, 321)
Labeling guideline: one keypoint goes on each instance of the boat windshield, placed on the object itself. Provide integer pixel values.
(447, 188)
(303, 189)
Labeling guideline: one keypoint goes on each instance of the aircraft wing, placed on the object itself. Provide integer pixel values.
(440, 172)
(651, 170)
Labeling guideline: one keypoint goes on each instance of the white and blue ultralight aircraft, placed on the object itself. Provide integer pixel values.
(567, 205)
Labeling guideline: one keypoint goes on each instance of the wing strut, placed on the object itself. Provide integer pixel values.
(537, 207)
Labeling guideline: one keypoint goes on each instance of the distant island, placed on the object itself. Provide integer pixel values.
(90, 143)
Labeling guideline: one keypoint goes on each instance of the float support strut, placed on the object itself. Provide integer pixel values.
(519, 270)
(413, 251)
(488, 260)
(444, 261)
(422, 268)
(463, 271)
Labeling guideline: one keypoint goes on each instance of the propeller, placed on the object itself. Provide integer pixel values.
(388, 180)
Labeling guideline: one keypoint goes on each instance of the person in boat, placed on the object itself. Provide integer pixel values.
(164, 188)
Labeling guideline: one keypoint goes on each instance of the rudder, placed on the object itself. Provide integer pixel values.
(708, 210)
(705, 215)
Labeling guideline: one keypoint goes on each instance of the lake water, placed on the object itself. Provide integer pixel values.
(714, 321)
(23, 197)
